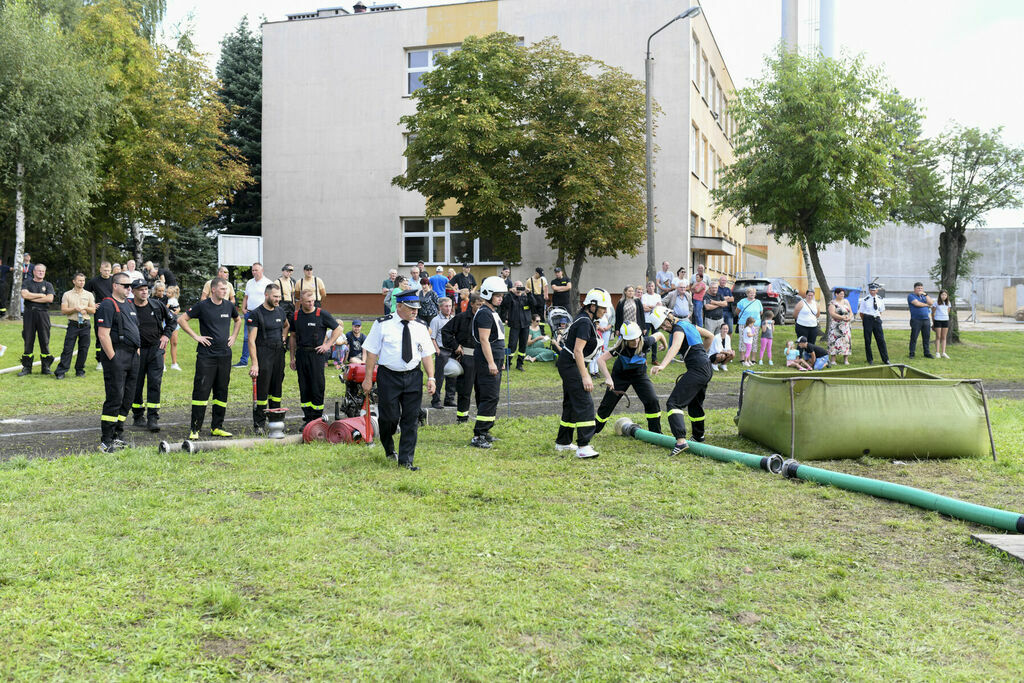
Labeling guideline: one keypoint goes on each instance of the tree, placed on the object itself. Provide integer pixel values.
(240, 72)
(51, 106)
(823, 150)
(964, 173)
(502, 128)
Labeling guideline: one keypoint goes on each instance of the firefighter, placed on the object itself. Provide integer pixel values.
(457, 337)
(518, 307)
(37, 295)
(629, 370)
(213, 355)
(309, 325)
(397, 345)
(489, 358)
(269, 325)
(117, 328)
(156, 325)
(579, 347)
(688, 392)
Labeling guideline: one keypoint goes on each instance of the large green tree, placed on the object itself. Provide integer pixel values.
(502, 128)
(964, 173)
(823, 150)
(51, 110)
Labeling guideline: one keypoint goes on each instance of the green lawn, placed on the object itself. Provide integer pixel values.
(330, 563)
(994, 356)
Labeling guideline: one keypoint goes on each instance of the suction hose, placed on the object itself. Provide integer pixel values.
(951, 507)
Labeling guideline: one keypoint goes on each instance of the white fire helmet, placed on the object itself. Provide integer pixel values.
(630, 331)
(658, 316)
(598, 296)
(492, 285)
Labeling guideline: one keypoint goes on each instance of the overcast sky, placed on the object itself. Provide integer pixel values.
(961, 59)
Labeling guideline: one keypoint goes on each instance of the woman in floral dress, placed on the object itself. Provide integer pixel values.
(839, 336)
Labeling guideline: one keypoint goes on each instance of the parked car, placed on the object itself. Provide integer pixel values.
(775, 294)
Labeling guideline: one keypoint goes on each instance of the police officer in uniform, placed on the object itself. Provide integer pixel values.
(688, 392)
(398, 343)
(580, 345)
(457, 337)
(518, 307)
(489, 357)
(117, 328)
(309, 351)
(870, 311)
(213, 355)
(268, 325)
(629, 370)
(156, 325)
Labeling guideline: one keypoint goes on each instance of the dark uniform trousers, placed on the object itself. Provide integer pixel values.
(577, 406)
(518, 338)
(918, 326)
(464, 386)
(212, 373)
(310, 366)
(488, 391)
(36, 324)
(688, 394)
(78, 333)
(873, 328)
(151, 377)
(400, 395)
(623, 379)
(119, 376)
(268, 382)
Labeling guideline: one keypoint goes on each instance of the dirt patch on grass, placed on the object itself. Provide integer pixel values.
(227, 648)
(260, 495)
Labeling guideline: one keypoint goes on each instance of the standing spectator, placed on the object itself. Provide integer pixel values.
(839, 336)
(166, 275)
(438, 282)
(255, 293)
(5, 270)
(697, 292)
(450, 290)
(78, 305)
(310, 281)
(676, 301)
(805, 317)
(445, 314)
(726, 291)
(465, 280)
(286, 283)
(750, 307)
(537, 286)
(870, 311)
(150, 274)
(414, 279)
(428, 302)
(386, 288)
(940, 321)
(681, 275)
(699, 271)
(115, 268)
(650, 300)
(561, 286)
(174, 306)
(920, 319)
(714, 306)
(664, 279)
(26, 268)
(133, 275)
(629, 309)
(519, 316)
(767, 337)
(222, 273)
(401, 284)
(506, 275)
(37, 294)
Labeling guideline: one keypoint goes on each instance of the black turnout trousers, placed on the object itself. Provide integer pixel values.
(518, 338)
(212, 373)
(400, 396)
(36, 325)
(77, 334)
(873, 328)
(310, 366)
(464, 386)
(488, 392)
(577, 407)
(268, 382)
(623, 378)
(688, 394)
(151, 374)
(119, 376)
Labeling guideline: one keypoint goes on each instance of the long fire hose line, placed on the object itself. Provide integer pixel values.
(951, 507)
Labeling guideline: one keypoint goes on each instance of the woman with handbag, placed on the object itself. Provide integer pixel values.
(806, 317)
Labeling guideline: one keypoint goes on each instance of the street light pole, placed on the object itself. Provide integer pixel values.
(649, 75)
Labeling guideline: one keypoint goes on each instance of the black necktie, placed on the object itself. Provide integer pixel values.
(874, 300)
(406, 342)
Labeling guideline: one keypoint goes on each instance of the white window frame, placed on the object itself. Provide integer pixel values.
(430, 233)
(696, 61)
(695, 156)
(431, 53)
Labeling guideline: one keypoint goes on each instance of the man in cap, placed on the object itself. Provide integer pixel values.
(309, 351)
(438, 282)
(560, 288)
(399, 343)
(312, 283)
(286, 283)
(870, 311)
(117, 328)
(156, 325)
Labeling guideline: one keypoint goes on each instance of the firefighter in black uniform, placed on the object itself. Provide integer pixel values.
(489, 358)
(213, 355)
(630, 370)
(156, 325)
(580, 345)
(397, 345)
(117, 328)
(309, 327)
(37, 295)
(518, 306)
(457, 337)
(688, 392)
(268, 330)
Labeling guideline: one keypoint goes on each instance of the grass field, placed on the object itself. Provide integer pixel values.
(994, 356)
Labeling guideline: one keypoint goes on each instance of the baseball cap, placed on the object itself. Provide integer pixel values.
(558, 269)
(307, 267)
(288, 266)
(139, 284)
(357, 322)
(801, 340)
(409, 297)
(439, 269)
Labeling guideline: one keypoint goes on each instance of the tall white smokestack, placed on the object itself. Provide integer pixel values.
(790, 25)
(827, 28)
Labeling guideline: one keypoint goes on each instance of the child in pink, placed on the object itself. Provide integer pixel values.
(748, 340)
(767, 332)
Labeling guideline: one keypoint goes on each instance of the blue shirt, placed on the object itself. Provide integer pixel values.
(918, 312)
(438, 283)
(749, 309)
(726, 292)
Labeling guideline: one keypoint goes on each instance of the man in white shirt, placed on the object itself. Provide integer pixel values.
(663, 279)
(870, 312)
(255, 293)
(133, 275)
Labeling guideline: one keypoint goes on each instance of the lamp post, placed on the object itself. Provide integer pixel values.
(649, 73)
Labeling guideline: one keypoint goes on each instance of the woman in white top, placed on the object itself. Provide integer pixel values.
(806, 314)
(721, 352)
(940, 321)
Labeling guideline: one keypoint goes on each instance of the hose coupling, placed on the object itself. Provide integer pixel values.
(772, 463)
(789, 468)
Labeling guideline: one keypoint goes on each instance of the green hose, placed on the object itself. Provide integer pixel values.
(993, 517)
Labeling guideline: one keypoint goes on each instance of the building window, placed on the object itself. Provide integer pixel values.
(714, 168)
(419, 62)
(703, 227)
(439, 241)
(704, 72)
(695, 154)
(695, 58)
(693, 225)
(704, 165)
(711, 88)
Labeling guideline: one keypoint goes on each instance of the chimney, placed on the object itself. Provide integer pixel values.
(358, 8)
